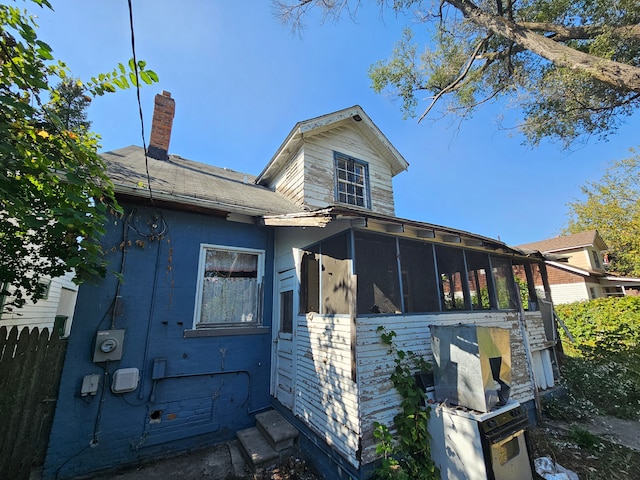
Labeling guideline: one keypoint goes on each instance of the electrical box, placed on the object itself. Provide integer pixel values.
(90, 384)
(125, 380)
(108, 345)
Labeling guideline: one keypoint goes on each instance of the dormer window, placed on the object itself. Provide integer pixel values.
(352, 181)
(596, 258)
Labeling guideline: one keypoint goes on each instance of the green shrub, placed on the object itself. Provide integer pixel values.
(602, 370)
(604, 328)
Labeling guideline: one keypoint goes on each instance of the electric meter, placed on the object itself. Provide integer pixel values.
(108, 345)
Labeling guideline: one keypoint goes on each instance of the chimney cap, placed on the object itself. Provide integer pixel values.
(166, 94)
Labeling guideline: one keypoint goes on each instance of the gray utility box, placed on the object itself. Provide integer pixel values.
(472, 365)
(108, 345)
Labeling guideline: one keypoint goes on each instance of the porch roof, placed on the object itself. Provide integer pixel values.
(393, 225)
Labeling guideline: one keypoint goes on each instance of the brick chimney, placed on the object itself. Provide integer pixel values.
(163, 112)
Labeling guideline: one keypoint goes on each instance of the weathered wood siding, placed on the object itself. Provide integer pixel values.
(319, 168)
(378, 398)
(308, 177)
(30, 368)
(326, 396)
(290, 182)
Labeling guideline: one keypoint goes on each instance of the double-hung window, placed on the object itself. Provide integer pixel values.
(229, 286)
(352, 181)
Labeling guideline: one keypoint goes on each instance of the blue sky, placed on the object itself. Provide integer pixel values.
(241, 80)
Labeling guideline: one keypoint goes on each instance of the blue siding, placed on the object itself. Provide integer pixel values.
(210, 385)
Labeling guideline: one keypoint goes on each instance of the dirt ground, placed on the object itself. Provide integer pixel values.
(609, 451)
(616, 430)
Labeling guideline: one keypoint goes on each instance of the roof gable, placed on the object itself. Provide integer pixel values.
(356, 116)
(587, 238)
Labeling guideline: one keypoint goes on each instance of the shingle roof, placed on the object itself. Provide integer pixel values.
(566, 242)
(192, 183)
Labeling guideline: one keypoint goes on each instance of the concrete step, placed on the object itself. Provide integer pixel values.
(238, 461)
(271, 441)
(280, 434)
(256, 448)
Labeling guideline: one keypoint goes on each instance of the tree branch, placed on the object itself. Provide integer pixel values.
(586, 32)
(456, 83)
(616, 74)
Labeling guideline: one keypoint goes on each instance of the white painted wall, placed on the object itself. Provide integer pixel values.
(569, 292)
(308, 176)
(60, 301)
(342, 411)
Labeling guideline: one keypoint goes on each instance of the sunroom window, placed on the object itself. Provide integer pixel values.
(229, 286)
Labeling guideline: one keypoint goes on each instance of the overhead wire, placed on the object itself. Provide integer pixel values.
(137, 85)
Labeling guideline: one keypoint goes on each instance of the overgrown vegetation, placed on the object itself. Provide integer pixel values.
(600, 374)
(55, 194)
(601, 371)
(408, 457)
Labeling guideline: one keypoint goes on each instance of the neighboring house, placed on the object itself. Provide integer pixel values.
(53, 311)
(576, 267)
(244, 293)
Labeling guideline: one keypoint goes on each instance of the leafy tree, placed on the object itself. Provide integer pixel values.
(70, 102)
(612, 206)
(54, 191)
(573, 67)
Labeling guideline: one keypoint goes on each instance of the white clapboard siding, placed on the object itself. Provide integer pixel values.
(378, 398)
(569, 292)
(319, 183)
(42, 314)
(290, 182)
(535, 331)
(326, 396)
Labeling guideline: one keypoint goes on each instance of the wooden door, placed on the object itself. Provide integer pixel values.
(284, 338)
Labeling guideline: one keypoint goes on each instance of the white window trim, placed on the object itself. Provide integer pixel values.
(199, 285)
(337, 156)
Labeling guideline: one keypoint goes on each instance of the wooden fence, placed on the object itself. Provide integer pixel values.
(30, 370)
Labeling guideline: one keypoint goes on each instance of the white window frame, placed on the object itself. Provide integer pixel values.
(366, 196)
(204, 247)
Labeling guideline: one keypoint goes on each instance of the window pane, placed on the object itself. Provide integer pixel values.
(523, 277)
(229, 287)
(538, 282)
(452, 275)
(478, 278)
(419, 281)
(336, 270)
(310, 273)
(377, 271)
(286, 311)
(351, 181)
(503, 276)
